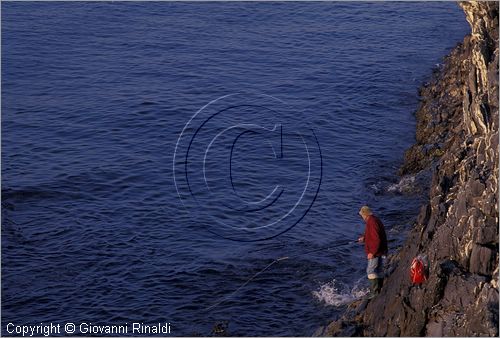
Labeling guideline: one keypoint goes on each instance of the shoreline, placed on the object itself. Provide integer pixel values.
(457, 228)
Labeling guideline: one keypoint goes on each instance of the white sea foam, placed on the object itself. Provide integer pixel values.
(405, 184)
(337, 294)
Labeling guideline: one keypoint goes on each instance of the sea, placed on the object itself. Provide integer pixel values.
(202, 164)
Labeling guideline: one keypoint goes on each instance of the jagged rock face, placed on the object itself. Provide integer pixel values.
(457, 136)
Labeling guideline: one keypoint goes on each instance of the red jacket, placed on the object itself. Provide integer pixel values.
(375, 238)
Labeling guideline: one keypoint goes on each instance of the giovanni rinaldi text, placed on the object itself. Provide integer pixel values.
(86, 328)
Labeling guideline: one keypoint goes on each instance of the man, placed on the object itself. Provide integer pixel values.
(375, 247)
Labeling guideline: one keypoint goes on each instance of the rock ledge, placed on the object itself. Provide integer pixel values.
(457, 139)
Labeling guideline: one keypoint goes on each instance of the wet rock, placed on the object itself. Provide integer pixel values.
(349, 325)
(456, 136)
(220, 329)
(320, 332)
(340, 329)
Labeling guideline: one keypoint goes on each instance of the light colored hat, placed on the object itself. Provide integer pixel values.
(365, 211)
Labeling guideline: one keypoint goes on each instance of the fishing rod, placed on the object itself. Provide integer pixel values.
(223, 299)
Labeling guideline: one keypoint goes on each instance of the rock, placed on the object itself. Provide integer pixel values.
(486, 233)
(434, 328)
(425, 212)
(482, 260)
(319, 332)
(340, 329)
(456, 136)
(476, 188)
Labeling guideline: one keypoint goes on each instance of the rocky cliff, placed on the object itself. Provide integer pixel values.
(457, 140)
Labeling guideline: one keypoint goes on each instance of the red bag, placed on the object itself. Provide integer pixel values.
(419, 270)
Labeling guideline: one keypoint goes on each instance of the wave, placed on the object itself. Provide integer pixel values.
(405, 185)
(335, 293)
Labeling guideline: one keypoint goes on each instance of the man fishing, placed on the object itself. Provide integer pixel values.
(375, 247)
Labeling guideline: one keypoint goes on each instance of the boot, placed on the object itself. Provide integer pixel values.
(380, 284)
(373, 288)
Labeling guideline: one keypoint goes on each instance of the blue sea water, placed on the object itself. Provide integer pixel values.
(95, 97)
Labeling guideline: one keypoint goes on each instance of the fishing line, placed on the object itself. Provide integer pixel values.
(324, 248)
(223, 299)
(244, 284)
